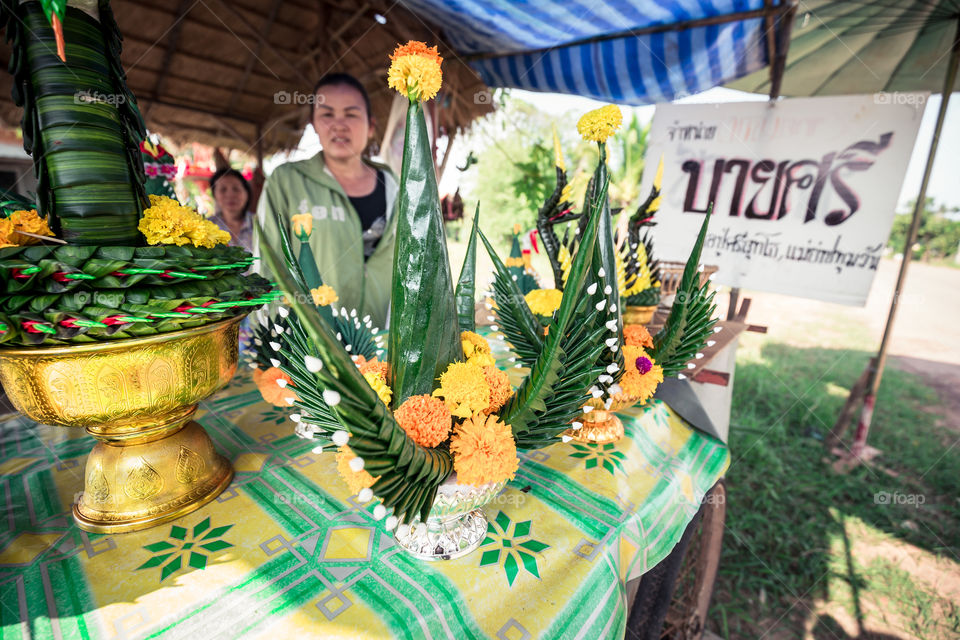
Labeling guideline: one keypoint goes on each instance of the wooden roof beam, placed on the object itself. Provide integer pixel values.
(254, 56)
(259, 36)
(172, 42)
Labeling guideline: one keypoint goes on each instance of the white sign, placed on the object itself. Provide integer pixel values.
(803, 191)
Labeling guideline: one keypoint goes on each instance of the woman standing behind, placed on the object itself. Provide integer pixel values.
(350, 199)
(231, 193)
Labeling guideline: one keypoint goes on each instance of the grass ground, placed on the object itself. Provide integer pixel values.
(872, 555)
(812, 554)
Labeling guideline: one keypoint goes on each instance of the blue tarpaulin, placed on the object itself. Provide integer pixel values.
(591, 48)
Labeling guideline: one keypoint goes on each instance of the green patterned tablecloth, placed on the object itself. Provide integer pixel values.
(286, 552)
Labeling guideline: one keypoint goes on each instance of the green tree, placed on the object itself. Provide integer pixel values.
(937, 237)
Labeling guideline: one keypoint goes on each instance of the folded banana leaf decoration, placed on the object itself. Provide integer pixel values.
(95, 280)
(641, 268)
(689, 324)
(426, 321)
(75, 99)
(555, 210)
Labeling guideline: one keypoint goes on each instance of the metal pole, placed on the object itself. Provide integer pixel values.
(863, 426)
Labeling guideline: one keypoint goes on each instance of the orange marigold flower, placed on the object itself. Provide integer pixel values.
(272, 392)
(425, 419)
(415, 71)
(356, 480)
(500, 390)
(636, 335)
(483, 451)
(641, 375)
(373, 366)
(463, 387)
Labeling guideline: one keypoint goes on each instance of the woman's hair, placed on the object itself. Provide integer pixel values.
(343, 79)
(220, 173)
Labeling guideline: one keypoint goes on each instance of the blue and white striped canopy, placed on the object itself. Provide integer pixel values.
(540, 45)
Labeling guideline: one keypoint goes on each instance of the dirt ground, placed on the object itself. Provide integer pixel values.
(926, 333)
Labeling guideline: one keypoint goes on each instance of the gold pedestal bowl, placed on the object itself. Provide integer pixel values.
(638, 315)
(151, 463)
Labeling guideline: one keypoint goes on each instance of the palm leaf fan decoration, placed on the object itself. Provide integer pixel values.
(691, 319)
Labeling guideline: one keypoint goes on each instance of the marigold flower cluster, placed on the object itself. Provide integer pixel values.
(324, 295)
(544, 302)
(415, 71)
(600, 124)
(22, 220)
(641, 375)
(166, 221)
(483, 451)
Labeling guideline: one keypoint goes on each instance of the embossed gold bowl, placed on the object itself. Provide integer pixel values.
(151, 464)
(638, 315)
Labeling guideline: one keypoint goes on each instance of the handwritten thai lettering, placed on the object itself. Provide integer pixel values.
(770, 189)
(697, 131)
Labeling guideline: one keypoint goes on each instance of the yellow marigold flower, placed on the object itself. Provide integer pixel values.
(500, 389)
(374, 366)
(544, 302)
(463, 387)
(513, 262)
(356, 480)
(483, 451)
(476, 349)
(636, 335)
(166, 221)
(425, 419)
(599, 124)
(378, 384)
(415, 71)
(324, 295)
(641, 375)
(302, 225)
(22, 220)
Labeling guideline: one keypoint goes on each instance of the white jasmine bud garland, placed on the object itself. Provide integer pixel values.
(340, 438)
(312, 363)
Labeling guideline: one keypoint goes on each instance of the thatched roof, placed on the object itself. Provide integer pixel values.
(208, 70)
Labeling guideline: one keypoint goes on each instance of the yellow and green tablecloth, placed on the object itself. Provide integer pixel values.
(285, 551)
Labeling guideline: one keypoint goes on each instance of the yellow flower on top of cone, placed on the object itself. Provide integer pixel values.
(302, 225)
(415, 71)
(600, 124)
(324, 295)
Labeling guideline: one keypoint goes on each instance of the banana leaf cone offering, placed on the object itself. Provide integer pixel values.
(119, 312)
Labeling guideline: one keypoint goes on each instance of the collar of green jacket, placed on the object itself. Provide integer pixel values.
(336, 241)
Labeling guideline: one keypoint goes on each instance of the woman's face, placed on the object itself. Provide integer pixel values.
(341, 121)
(230, 195)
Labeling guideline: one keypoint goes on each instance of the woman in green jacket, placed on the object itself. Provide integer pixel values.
(351, 200)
